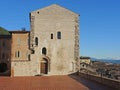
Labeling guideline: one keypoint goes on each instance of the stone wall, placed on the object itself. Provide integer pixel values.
(63, 53)
(32, 18)
(20, 46)
(76, 46)
(103, 80)
(24, 68)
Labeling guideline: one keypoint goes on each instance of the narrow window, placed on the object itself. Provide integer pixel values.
(38, 12)
(36, 41)
(18, 54)
(58, 35)
(51, 36)
(44, 51)
(32, 51)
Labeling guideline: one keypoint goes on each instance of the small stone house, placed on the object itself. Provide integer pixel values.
(84, 62)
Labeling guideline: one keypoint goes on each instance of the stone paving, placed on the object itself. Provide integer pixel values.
(40, 83)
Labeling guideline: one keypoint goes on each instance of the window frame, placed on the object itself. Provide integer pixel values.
(58, 35)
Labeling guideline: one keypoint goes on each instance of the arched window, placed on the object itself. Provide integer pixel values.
(58, 35)
(44, 52)
(36, 41)
(17, 54)
(51, 36)
(32, 51)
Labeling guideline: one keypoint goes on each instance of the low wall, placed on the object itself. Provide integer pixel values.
(106, 81)
(24, 68)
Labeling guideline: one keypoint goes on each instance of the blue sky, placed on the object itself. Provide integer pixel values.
(99, 22)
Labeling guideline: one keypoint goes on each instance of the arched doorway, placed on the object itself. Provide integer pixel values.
(3, 67)
(44, 66)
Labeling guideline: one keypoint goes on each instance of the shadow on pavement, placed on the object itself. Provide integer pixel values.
(92, 85)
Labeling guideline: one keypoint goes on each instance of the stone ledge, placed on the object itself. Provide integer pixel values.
(105, 81)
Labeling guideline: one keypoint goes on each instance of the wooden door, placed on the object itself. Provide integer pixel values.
(44, 68)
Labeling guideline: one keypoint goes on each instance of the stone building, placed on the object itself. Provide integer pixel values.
(20, 46)
(51, 47)
(5, 50)
(54, 38)
(85, 60)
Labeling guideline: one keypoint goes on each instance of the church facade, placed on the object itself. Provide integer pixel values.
(51, 47)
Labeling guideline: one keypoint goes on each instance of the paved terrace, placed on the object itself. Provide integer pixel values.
(49, 83)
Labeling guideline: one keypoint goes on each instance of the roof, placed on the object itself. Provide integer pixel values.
(3, 31)
(17, 31)
(84, 57)
(55, 8)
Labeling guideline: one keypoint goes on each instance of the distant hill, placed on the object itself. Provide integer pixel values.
(3, 31)
(117, 61)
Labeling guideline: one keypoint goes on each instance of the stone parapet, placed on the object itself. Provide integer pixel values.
(103, 80)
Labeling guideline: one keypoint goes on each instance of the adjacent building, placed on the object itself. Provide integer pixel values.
(84, 62)
(5, 50)
(20, 46)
